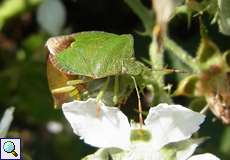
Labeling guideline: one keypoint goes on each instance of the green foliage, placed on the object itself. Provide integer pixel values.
(11, 8)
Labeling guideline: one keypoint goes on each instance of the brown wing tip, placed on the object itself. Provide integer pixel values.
(57, 44)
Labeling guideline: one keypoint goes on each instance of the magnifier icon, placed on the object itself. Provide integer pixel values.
(9, 147)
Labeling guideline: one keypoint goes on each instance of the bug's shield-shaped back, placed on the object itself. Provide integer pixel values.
(94, 55)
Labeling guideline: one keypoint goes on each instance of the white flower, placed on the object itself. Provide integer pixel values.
(110, 129)
(206, 156)
(172, 123)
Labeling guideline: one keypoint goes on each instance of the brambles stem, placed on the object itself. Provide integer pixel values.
(181, 54)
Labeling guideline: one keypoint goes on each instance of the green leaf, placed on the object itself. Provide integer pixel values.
(98, 55)
(224, 16)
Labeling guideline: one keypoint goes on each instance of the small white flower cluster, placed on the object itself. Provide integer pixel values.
(165, 135)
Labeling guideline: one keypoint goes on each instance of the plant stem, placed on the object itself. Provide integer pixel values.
(157, 62)
(145, 15)
(181, 54)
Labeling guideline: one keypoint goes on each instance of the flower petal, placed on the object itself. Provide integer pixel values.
(143, 151)
(110, 128)
(205, 156)
(172, 123)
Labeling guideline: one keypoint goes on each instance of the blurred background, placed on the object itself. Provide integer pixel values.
(25, 25)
